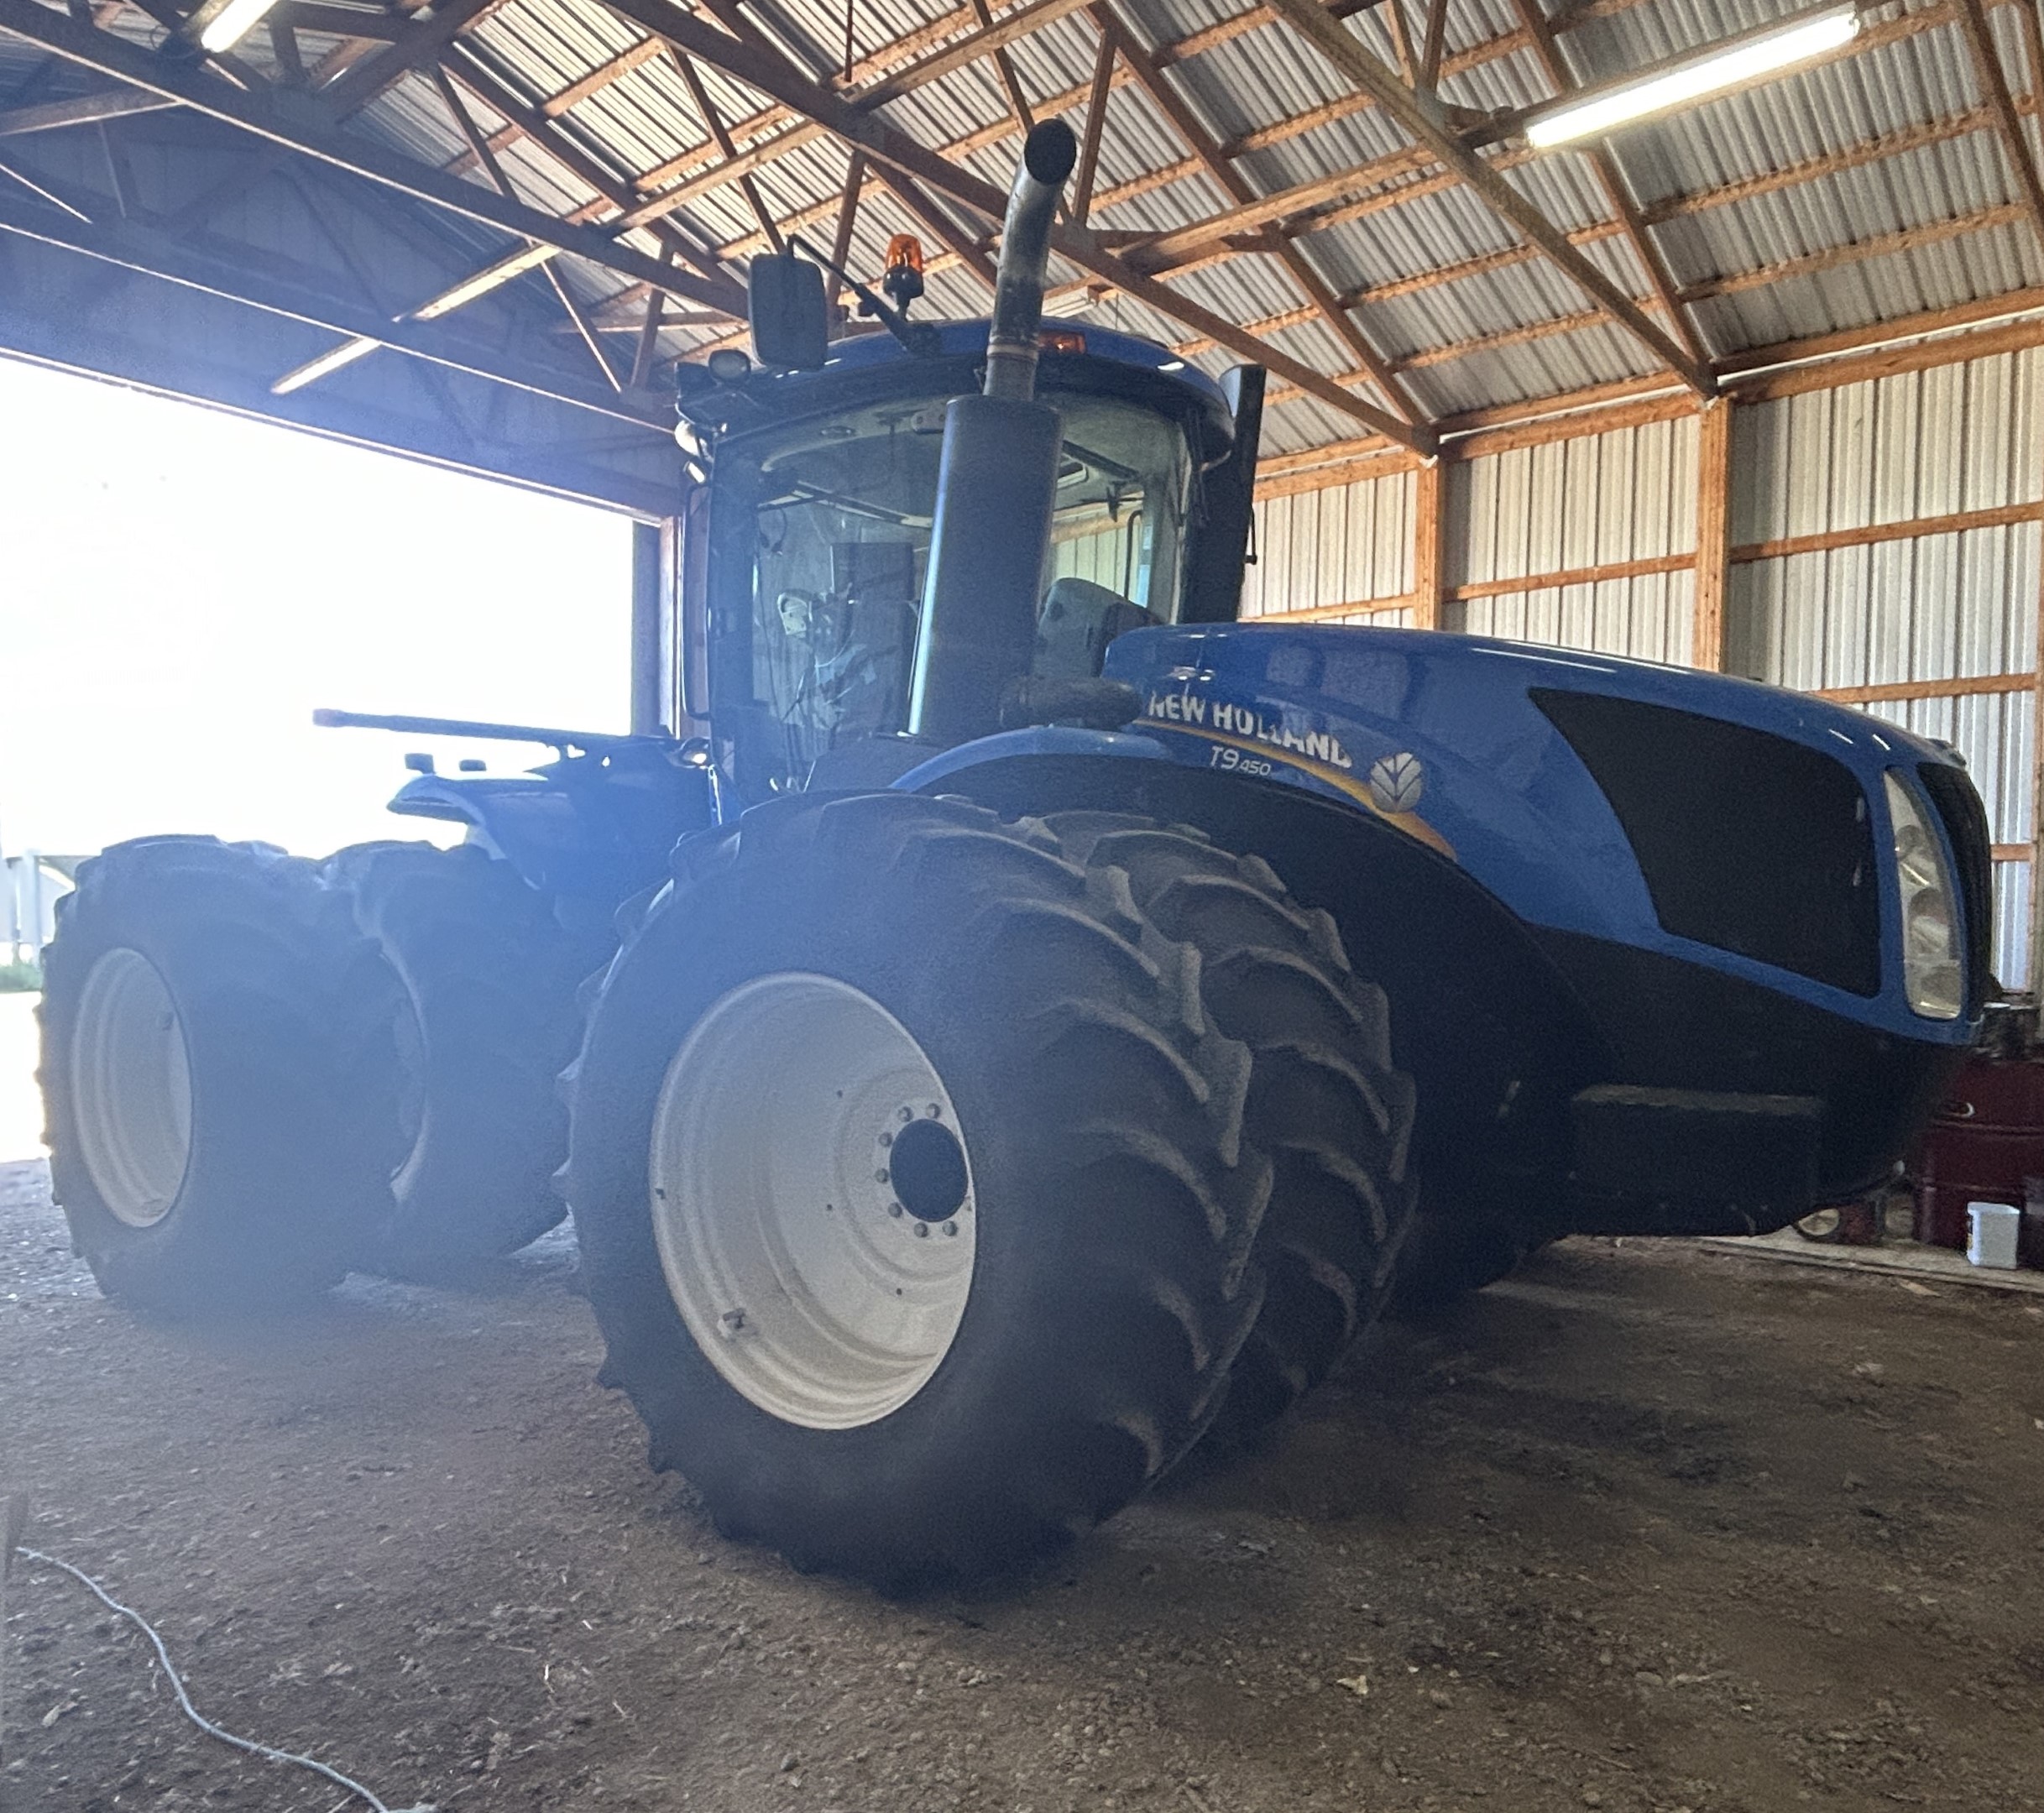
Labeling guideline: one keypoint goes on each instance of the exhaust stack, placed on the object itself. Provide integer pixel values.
(1048, 157)
(997, 482)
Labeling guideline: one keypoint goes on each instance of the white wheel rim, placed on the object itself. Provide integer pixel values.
(131, 1084)
(822, 1266)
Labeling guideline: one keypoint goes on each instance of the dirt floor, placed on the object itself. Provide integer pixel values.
(1648, 1528)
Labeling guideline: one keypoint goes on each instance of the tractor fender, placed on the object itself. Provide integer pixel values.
(590, 829)
(1496, 1038)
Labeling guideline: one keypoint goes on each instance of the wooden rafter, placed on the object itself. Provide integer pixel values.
(773, 75)
(1611, 184)
(1401, 42)
(644, 354)
(911, 194)
(465, 123)
(420, 45)
(1340, 48)
(1004, 66)
(2008, 124)
(629, 210)
(1097, 92)
(1202, 144)
(1433, 42)
(284, 46)
(712, 123)
(848, 220)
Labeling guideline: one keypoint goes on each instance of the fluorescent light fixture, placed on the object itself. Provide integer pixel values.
(499, 274)
(1745, 60)
(232, 24)
(329, 362)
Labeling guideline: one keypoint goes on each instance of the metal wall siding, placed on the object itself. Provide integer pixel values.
(1958, 437)
(1646, 617)
(1348, 544)
(2012, 924)
(1594, 500)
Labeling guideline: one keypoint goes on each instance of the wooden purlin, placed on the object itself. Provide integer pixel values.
(1604, 167)
(1994, 85)
(773, 74)
(1340, 48)
(1203, 146)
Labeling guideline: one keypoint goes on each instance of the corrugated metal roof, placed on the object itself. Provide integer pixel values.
(1940, 217)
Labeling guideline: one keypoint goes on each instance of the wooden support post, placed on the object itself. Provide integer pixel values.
(1713, 535)
(1429, 490)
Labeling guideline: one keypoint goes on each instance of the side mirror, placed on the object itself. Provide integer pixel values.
(790, 325)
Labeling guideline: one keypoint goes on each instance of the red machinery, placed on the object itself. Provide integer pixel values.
(1986, 1143)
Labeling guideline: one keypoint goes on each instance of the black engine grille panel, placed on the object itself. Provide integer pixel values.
(1747, 841)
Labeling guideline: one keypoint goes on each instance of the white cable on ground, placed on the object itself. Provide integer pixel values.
(183, 1700)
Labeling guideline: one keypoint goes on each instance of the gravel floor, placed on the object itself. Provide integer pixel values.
(1648, 1528)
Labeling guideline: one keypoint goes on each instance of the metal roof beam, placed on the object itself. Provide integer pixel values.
(1424, 123)
(268, 116)
(146, 252)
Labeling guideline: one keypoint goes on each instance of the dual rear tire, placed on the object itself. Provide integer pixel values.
(219, 1077)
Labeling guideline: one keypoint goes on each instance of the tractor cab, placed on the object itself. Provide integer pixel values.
(808, 541)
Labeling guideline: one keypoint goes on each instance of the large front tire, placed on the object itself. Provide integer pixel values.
(1325, 1102)
(489, 978)
(217, 1077)
(788, 1013)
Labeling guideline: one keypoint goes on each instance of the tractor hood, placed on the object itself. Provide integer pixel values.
(1707, 817)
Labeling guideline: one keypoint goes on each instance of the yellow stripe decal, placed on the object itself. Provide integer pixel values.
(1411, 823)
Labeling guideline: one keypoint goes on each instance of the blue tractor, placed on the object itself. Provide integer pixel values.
(1034, 1020)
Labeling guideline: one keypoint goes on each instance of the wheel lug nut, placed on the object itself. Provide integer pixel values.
(894, 1209)
(879, 1176)
(886, 1139)
(922, 1230)
(950, 1227)
(907, 1115)
(936, 1112)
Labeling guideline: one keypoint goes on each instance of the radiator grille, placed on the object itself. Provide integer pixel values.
(1748, 842)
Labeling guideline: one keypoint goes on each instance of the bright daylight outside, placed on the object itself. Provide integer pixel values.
(181, 588)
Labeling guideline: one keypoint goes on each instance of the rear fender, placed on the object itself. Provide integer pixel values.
(590, 829)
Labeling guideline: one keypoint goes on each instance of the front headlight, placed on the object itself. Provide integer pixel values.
(1931, 973)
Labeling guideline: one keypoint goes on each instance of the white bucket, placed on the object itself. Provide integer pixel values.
(1995, 1228)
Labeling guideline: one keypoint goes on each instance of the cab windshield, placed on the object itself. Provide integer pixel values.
(820, 538)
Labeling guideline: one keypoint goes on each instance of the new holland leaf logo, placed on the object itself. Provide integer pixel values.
(1397, 782)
